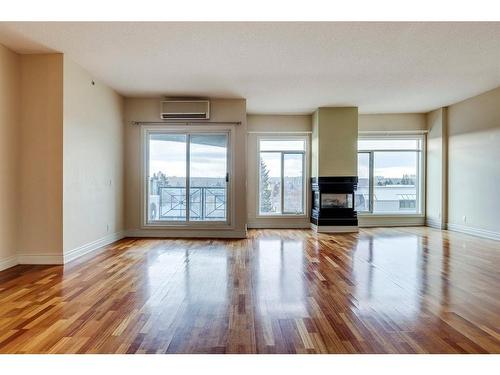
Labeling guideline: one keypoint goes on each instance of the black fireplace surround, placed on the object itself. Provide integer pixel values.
(333, 201)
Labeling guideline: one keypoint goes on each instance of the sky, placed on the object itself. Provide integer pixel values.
(210, 161)
(170, 158)
(292, 167)
(392, 164)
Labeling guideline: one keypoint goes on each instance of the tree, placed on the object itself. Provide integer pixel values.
(405, 180)
(266, 204)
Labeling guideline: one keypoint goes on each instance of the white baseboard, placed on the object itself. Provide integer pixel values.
(31, 259)
(334, 228)
(305, 225)
(92, 246)
(474, 231)
(8, 262)
(433, 223)
(184, 233)
(50, 258)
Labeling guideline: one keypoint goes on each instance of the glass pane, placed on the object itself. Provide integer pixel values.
(389, 144)
(395, 182)
(293, 183)
(207, 177)
(270, 183)
(167, 177)
(282, 145)
(362, 197)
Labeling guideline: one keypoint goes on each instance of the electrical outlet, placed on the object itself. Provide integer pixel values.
(107, 228)
(464, 219)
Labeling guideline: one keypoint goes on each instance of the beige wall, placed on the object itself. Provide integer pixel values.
(392, 122)
(93, 207)
(10, 77)
(279, 123)
(473, 162)
(335, 132)
(259, 125)
(436, 159)
(149, 110)
(40, 190)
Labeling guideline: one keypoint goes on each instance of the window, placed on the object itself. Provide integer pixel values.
(281, 176)
(390, 175)
(187, 177)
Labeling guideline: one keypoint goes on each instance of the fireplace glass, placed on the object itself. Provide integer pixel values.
(336, 201)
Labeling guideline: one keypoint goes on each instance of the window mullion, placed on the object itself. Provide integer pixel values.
(371, 190)
(188, 182)
(282, 209)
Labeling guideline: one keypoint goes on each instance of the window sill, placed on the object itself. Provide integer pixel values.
(192, 225)
(284, 216)
(364, 214)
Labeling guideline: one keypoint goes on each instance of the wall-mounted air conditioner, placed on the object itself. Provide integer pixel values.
(177, 109)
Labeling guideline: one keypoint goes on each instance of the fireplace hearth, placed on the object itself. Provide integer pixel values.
(333, 204)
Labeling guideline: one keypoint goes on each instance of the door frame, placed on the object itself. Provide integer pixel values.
(188, 130)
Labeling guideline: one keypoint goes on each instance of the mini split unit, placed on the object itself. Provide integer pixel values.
(177, 109)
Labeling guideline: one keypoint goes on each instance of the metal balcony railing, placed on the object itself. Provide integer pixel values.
(205, 203)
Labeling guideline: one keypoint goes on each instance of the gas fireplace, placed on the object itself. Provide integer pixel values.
(333, 202)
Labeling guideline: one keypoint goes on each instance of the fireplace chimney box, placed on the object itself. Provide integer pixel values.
(334, 169)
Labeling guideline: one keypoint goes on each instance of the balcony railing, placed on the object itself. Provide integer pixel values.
(205, 203)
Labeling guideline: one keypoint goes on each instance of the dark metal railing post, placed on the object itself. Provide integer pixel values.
(202, 193)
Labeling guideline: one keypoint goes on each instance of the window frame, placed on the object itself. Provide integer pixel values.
(421, 172)
(187, 130)
(305, 175)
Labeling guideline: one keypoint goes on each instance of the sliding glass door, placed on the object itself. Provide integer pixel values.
(187, 178)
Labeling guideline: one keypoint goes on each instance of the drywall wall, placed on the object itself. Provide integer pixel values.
(335, 130)
(10, 77)
(93, 177)
(221, 110)
(473, 167)
(393, 122)
(41, 153)
(259, 125)
(436, 168)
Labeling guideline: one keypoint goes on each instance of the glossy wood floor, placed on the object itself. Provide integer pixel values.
(405, 290)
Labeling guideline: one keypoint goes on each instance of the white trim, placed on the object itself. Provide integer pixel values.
(8, 262)
(421, 165)
(187, 233)
(280, 132)
(50, 258)
(188, 130)
(433, 223)
(79, 251)
(393, 132)
(474, 231)
(273, 136)
(334, 228)
(279, 225)
(389, 215)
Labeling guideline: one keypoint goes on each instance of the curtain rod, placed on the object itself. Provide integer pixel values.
(186, 122)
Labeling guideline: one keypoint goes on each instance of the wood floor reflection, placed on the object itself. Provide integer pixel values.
(384, 290)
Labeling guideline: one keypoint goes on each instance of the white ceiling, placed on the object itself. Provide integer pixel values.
(281, 67)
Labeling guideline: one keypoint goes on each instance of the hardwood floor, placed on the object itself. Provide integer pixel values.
(384, 290)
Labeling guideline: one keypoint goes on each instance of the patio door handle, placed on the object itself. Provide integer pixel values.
(227, 177)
